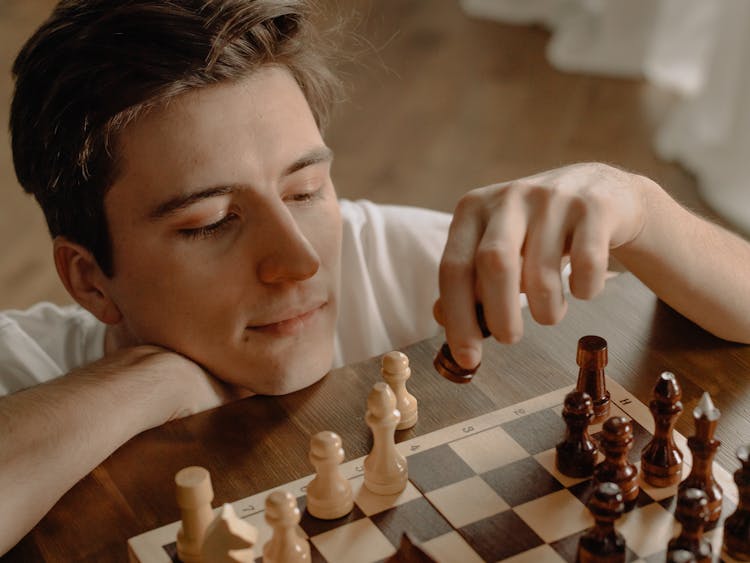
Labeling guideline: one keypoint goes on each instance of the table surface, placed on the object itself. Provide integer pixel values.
(262, 442)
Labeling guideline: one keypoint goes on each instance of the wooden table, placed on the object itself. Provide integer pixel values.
(261, 442)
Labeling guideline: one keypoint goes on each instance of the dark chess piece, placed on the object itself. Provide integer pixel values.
(591, 358)
(737, 526)
(576, 454)
(661, 459)
(409, 552)
(692, 512)
(602, 543)
(703, 447)
(448, 367)
(616, 440)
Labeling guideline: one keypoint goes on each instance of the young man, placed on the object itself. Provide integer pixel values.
(176, 151)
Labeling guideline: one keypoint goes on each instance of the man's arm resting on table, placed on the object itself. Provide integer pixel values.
(79, 419)
(698, 268)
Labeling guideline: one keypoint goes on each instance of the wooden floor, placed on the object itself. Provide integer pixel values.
(437, 104)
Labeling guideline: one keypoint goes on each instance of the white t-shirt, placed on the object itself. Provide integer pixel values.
(390, 256)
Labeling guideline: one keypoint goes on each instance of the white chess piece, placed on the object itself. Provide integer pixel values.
(285, 546)
(395, 371)
(229, 539)
(194, 496)
(385, 469)
(329, 495)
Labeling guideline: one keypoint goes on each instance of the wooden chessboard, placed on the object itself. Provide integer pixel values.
(482, 490)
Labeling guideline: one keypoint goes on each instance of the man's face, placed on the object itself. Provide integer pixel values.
(227, 233)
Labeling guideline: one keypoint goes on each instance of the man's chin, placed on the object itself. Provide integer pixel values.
(278, 380)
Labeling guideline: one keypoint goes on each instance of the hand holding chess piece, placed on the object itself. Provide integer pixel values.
(385, 469)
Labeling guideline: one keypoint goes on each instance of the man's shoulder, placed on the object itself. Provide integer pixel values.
(45, 341)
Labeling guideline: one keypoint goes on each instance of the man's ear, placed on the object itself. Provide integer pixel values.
(83, 278)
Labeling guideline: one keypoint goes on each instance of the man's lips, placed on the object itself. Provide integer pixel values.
(289, 323)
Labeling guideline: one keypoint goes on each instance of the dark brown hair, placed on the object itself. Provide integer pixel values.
(95, 65)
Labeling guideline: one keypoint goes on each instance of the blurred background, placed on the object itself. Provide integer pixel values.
(444, 96)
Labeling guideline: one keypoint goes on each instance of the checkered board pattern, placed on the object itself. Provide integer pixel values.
(483, 490)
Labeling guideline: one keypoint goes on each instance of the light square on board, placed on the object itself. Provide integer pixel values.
(467, 501)
(544, 553)
(450, 547)
(357, 542)
(370, 503)
(488, 450)
(547, 460)
(645, 528)
(556, 515)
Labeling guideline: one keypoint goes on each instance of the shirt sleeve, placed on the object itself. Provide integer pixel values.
(44, 342)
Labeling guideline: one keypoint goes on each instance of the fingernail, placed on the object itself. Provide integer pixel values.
(468, 357)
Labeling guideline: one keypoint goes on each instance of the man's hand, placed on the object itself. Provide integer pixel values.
(81, 418)
(512, 237)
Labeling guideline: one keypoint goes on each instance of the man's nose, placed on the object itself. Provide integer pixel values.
(289, 255)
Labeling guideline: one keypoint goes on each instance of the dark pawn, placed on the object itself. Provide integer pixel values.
(616, 440)
(591, 358)
(576, 454)
(692, 512)
(661, 459)
(602, 543)
(703, 447)
(448, 367)
(737, 526)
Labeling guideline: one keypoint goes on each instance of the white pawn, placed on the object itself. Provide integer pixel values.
(285, 546)
(329, 495)
(194, 496)
(395, 371)
(385, 469)
(229, 539)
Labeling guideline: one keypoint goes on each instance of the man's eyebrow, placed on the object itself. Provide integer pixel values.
(315, 156)
(185, 200)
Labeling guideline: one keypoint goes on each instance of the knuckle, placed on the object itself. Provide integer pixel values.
(497, 257)
(451, 268)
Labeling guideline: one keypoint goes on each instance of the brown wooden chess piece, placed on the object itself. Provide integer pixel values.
(576, 454)
(616, 440)
(591, 358)
(737, 526)
(703, 446)
(448, 367)
(602, 543)
(661, 459)
(692, 512)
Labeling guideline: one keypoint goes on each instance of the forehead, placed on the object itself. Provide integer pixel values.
(260, 121)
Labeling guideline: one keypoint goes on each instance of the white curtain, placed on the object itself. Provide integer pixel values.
(698, 47)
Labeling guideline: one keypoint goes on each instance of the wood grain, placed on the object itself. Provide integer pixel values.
(261, 442)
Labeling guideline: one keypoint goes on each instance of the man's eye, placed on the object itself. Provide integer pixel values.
(208, 231)
(306, 197)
